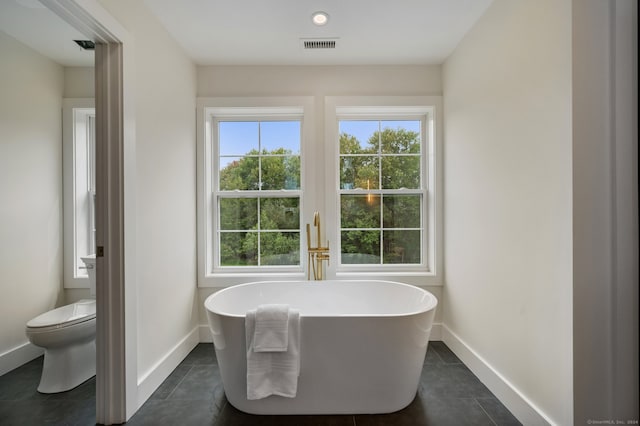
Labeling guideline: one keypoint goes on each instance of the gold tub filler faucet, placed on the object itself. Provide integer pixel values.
(317, 254)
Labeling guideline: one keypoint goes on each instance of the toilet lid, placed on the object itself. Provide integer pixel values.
(74, 313)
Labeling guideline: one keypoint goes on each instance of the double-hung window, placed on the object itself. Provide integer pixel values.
(382, 196)
(252, 185)
(79, 188)
(385, 187)
(257, 190)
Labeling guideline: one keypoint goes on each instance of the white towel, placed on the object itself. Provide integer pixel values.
(273, 373)
(272, 328)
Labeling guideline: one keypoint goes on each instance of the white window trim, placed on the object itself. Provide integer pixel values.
(206, 109)
(76, 175)
(367, 106)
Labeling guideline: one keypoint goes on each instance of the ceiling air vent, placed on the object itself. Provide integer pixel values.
(319, 43)
(86, 44)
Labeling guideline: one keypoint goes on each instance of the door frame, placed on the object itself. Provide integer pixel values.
(116, 337)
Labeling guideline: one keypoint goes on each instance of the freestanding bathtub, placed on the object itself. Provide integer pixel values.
(362, 344)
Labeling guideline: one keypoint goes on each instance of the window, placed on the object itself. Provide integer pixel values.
(381, 191)
(251, 184)
(79, 188)
(263, 169)
(384, 205)
(257, 190)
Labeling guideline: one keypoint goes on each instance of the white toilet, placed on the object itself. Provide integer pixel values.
(68, 336)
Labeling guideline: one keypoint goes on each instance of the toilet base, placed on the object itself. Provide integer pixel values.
(65, 368)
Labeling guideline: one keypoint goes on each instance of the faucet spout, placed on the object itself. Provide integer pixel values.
(316, 222)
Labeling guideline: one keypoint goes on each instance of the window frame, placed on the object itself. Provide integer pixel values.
(390, 108)
(210, 111)
(78, 157)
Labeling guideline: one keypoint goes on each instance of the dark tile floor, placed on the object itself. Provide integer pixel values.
(449, 394)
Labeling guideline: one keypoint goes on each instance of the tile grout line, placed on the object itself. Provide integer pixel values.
(180, 382)
(425, 363)
(485, 411)
(217, 422)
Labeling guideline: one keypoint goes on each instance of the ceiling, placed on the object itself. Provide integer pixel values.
(270, 32)
(36, 26)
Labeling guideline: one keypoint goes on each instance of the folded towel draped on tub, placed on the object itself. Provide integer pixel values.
(273, 351)
(271, 328)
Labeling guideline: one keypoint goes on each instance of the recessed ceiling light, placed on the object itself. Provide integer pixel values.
(320, 18)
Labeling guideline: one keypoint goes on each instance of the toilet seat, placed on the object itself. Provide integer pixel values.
(64, 316)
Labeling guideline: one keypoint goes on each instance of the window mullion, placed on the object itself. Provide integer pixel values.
(259, 232)
(259, 161)
(381, 248)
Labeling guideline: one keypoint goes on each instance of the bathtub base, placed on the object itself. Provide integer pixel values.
(274, 407)
(288, 410)
(346, 372)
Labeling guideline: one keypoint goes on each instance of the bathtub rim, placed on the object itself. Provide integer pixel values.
(432, 305)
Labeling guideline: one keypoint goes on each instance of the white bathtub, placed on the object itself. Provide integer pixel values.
(362, 344)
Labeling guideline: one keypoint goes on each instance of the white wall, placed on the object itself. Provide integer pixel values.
(317, 81)
(508, 206)
(165, 88)
(79, 82)
(30, 191)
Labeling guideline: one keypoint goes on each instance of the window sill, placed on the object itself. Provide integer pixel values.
(220, 280)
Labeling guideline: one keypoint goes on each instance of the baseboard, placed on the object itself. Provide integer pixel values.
(18, 356)
(152, 378)
(523, 409)
(205, 333)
